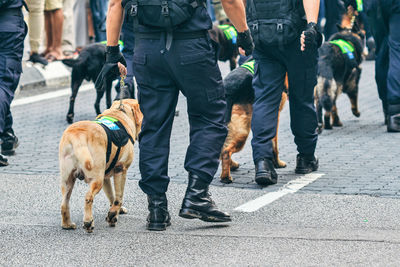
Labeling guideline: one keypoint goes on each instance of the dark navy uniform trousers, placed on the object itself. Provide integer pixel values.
(12, 34)
(272, 64)
(384, 21)
(190, 67)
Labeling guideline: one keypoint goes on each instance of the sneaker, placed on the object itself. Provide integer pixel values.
(3, 161)
(36, 58)
(10, 143)
(306, 164)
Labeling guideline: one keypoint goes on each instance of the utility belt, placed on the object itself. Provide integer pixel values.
(175, 35)
(16, 11)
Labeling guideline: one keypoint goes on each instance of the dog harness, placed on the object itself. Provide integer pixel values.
(230, 32)
(359, 5)
(249, 65)
(116, 134)
(345, 47)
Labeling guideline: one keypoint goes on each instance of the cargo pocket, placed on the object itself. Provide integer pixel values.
(11, 72)
(139, 69)
(201, 73)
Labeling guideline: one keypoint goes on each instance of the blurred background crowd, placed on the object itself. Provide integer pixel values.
(58, 29)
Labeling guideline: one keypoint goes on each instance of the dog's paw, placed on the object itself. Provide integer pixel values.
(226, 180)
(356, 112)
(123, 210)
(71, 226)
(320, 129)
(234, 165)
(280, 164)
(112, 218)
(88, 226)
(70, 118)
(337, 123)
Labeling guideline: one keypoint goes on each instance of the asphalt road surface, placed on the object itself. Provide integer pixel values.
(345, 214)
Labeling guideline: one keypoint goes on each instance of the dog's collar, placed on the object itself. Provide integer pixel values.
(229, 31)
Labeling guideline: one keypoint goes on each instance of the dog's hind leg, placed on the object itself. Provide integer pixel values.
(277, 162)
(335, 117)
(67, 184)
(76, 82)
(238, 131)
(95, 186)
(318, 107)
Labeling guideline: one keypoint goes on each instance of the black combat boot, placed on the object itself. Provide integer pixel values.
(265, 172)
(10, 143)
(3, 161)
(306, 164)
(198, 204)
(393, 124)
(159, 218)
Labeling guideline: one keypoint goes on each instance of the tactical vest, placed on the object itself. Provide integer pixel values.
(275, 22)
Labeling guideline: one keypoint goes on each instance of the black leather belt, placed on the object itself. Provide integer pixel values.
(176, 35)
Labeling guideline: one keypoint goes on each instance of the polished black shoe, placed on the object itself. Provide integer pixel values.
(306, 164)
(3, 161)
(159, 217)
(393, 125)
(10, 143)
(198, 204)
(265, 172)
(393, 115)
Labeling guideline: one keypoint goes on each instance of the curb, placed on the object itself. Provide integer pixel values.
(55, 74)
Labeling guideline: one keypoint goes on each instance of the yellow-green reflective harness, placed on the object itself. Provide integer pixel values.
(230, 32)
(345, 47)
(249, 66)
(359, 5)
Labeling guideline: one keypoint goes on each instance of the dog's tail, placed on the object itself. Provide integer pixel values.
(83, 154)
(69, 62)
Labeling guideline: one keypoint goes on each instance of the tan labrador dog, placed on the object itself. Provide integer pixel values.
(82, 155)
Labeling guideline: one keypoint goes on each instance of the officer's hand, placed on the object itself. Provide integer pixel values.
(111, 69)
(245, 41)
(311, 38)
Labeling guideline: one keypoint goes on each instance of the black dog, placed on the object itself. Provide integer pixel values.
(339, 71)
(225, 36)
(87, 67)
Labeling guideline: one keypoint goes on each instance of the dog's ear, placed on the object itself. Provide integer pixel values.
(138, 115)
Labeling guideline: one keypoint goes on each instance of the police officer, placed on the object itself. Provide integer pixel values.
(169, 61)
(286, 40)
(12, 34)
(384, 21)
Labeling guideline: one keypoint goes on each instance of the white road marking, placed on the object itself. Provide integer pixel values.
(291, 187)
(58, 93)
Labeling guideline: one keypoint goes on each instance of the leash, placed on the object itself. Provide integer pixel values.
(122, 87)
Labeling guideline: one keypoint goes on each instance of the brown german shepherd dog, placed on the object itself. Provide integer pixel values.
(240, 96)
